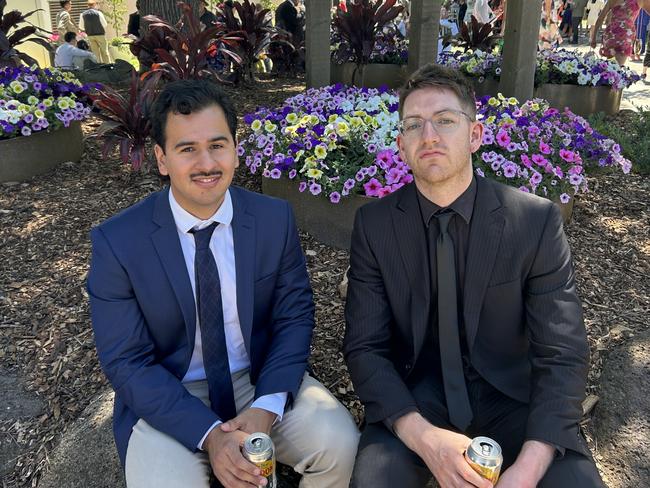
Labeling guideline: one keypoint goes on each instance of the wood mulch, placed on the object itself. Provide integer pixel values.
(45, 333)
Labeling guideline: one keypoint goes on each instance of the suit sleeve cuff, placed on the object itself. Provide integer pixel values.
(273, 403)
(389, 421)
(200, 444)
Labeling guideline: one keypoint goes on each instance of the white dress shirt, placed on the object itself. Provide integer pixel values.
(223, 250)
(68, 56)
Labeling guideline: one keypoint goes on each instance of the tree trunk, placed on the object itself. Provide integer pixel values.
(166, 9)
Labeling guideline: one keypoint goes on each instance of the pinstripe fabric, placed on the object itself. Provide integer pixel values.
(523, 319)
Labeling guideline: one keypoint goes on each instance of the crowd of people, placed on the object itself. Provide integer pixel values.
(86, 40)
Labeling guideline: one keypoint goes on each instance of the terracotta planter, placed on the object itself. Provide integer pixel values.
(25, 157)
(369, 75)
(581, 100)
(490, 86)
(330, 223)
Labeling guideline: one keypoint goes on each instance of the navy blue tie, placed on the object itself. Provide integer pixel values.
(458, 406)
(213, 338)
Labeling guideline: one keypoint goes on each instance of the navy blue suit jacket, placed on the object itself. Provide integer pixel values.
(144, 314)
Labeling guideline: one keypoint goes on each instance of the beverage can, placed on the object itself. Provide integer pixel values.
(259, 449)
(484, 456)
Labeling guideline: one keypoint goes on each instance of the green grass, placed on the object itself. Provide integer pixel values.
(631, 130)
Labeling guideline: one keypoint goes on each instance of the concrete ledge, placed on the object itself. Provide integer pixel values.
(330, 223)
(26, 156)
(581, 100)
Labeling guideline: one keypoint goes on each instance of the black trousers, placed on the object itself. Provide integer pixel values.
(575, 25)
(383, 461)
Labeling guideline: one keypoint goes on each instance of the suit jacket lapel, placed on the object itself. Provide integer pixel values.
(243, 229)
(412, 241)
(165, 240)
(485, 236)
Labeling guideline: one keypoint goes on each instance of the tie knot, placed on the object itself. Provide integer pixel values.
(202, 237)
(443, 219)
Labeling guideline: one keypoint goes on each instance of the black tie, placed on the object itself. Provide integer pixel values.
(458, 406)
(213, 338)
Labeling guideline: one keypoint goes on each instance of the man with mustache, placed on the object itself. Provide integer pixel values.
(203, 317)
(462, 315)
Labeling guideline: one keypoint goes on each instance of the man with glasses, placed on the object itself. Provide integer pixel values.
(462, 315)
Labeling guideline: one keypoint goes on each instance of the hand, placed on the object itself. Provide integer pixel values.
(228, 464)
(532, 463)
(515, 477)
(251, 420)
(442, 451)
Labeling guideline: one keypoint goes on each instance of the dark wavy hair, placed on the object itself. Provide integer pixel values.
(186, 97)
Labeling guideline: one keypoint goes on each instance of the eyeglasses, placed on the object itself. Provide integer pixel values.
(444, 122)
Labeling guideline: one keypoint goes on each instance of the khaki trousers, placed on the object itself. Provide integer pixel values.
(317, 437)
(99, 47)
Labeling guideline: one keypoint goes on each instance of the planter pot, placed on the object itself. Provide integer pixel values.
(24, 157)
(328, 222)
(369, 75)
(581, 100)
(490, 86)
(566, 209)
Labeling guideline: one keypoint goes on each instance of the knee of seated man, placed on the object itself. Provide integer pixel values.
(336, 441)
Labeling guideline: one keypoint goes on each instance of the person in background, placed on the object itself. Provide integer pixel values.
(619, 35)
(70, 57)
(64, 23)
(93, 23)
(576, 19)
(566, 14)
(206, 17)
(133, 28)
(641, 24)
(287, 17)
(482, 11)
(462, 11)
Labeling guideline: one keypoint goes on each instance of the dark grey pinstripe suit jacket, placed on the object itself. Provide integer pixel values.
(522, 316)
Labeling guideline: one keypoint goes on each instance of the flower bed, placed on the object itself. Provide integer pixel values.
(40, 111)
(34, 100)
(554, 67)
(336, 141)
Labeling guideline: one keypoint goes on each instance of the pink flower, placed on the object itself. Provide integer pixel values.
(382, 192)
(503, 138)
(544, 148)
(568, 156)
(372, 187)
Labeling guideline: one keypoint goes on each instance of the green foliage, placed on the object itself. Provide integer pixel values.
(116, 12)
(630, 130)
(12, 34)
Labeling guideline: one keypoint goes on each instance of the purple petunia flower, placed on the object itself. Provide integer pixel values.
(372, 187)
(564, 198)
(276, 173)
(302, 186)
(315, 188)
(335, 197)
(292, 174)
(349, 184)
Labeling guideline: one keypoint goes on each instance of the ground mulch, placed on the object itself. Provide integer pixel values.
(45, 332)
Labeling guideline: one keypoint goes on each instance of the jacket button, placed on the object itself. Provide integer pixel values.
(407, 366)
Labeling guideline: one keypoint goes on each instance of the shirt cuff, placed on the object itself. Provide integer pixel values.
(273, 403)
(200, 444)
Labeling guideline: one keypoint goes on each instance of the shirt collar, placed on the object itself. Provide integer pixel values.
(185, 221)
(463, 205)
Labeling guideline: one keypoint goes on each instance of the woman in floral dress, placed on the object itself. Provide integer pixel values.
(618, 36)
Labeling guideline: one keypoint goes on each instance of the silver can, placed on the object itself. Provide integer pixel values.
(259, 450)
(484, 456)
